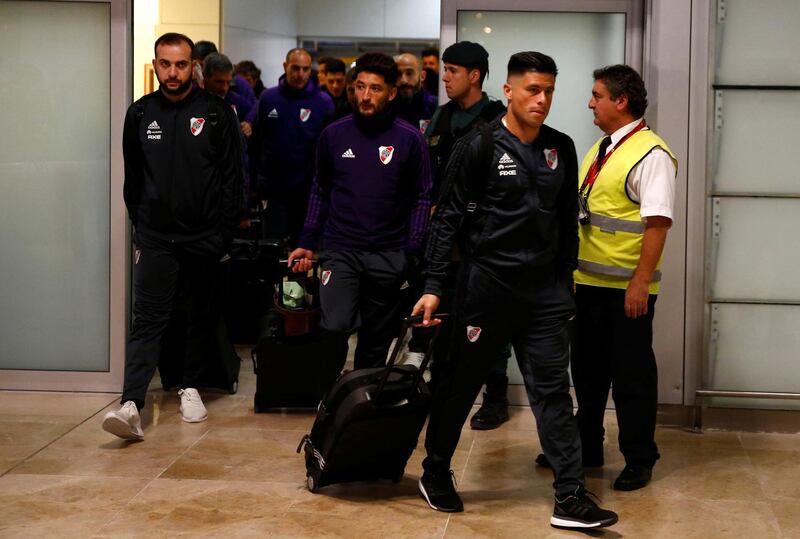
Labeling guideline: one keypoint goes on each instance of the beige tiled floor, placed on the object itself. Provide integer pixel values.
(237, 475)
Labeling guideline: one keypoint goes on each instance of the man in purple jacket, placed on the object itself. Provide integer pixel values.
(368, 213)
(414, 104)
(291, 117)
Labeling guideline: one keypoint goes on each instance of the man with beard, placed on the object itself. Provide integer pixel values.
(414, 104)
(183, 190)
(291, 117)
(368, 212)
(518, 232)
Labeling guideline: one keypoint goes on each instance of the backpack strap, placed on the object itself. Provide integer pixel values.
(477, 188)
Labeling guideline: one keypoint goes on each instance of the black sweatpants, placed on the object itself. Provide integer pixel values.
(532, 314)
(364, 291)
(159, 266)
(612, 350)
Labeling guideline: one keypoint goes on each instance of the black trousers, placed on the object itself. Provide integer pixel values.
(159, 267)
(496, 380)
(532, 314)
(612, 350)
(364, 291)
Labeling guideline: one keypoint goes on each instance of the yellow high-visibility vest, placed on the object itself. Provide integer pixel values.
(611, 244)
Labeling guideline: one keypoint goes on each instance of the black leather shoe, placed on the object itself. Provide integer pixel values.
(490, 415)
(542, 462)
(633, 477)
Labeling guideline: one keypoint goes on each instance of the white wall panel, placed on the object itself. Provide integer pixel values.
(417, 19)
(262, 32)
(754, 348)
(764, 163)
(378, 19)
(276, 17)
(334, 18)
(266, 50)
(754, 249)
(758, 42)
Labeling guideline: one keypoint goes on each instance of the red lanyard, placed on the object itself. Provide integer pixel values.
(598, 163)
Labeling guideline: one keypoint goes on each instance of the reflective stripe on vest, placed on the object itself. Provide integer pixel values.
(603, 269)
(611, 224)
(611, 244)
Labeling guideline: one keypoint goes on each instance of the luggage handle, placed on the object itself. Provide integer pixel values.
(315, 267)
(407, 323)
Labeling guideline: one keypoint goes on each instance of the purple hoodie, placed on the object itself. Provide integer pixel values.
(372, 188)
(289, 124)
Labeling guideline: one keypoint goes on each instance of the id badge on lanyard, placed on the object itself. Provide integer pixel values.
(584, 214)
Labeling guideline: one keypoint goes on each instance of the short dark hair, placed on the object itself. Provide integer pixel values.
(324, 61)
(173, 38)
(334, 65)
(624, 80)
(432, 51)
(379, 64)
(522, 62)
(203, 49)
(216, 62)
(248, 67)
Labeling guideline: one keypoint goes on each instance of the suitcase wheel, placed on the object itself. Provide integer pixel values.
(311, 483)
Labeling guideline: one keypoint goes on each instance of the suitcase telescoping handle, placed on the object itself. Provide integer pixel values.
(315, 267)
(407, 323)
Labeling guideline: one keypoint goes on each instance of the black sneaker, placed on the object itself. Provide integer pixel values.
(633, 477)
(578, 511)
(490, 415)
(439, 491)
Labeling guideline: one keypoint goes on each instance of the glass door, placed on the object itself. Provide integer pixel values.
(62, 221)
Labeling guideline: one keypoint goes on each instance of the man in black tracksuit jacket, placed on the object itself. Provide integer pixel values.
(517, 229)
(184, 193)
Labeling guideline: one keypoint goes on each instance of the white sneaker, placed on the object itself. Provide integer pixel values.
(124, 422)
(192, 408)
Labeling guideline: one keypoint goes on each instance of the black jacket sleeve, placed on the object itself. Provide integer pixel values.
(446, 225)
(134, 163)
(568, 212)
(231, 170)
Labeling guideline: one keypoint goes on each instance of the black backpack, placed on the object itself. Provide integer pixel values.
(476, 188)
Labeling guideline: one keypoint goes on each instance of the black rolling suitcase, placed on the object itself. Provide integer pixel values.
(249, 290)
(368, 424)
(221, 365)
(290, 358)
